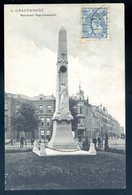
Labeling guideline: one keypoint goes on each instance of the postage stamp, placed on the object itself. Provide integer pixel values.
(95, 22)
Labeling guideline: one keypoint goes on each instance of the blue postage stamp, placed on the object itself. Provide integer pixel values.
(95, 22)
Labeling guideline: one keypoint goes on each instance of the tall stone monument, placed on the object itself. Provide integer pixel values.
(62, 138)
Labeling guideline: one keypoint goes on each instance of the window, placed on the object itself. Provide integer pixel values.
(48, 122)
(42, 133)
(42, 121)
(41, 108)
(48, 132)
(80, 122)
(49, 108)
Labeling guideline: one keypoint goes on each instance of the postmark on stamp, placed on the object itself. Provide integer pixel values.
(95, 22)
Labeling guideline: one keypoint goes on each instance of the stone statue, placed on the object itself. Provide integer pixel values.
(63, 97)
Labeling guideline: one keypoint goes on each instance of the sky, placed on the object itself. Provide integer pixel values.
(31, 44)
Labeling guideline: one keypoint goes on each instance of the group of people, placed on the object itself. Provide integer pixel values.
(98, 142)
(23, 142)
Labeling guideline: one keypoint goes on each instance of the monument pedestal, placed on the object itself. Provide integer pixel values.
(62, 138)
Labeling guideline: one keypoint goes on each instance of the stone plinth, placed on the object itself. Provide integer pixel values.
(42, 149)
(92, 150)
(39, 149)
(50, 152)
(62, 138)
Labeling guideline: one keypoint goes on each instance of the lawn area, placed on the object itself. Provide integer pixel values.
(29, 171)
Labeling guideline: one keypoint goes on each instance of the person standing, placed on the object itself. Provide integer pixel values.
(32, 141)
(106, 142)
(21, 142)
(94, 141)
(99, 143)
(11, 141)
(25, 143)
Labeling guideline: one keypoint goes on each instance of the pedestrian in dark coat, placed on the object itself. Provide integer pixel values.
(99, 142)
(94, 141)
(106, 142)
(11, 141)
(32, 141)
(21, 142)
(25, 143)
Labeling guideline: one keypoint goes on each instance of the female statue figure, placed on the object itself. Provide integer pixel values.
(64, 100)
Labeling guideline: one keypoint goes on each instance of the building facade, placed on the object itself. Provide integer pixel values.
(89, 121)
(45, 108)
(12, 104)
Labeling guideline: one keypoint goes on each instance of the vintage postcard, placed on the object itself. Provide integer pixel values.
(64, 96)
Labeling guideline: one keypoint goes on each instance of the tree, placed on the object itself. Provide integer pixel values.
(25, 119)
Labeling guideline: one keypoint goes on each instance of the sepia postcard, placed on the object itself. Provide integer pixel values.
(64, 96)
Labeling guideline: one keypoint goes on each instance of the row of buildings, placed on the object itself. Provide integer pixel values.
(89, 120)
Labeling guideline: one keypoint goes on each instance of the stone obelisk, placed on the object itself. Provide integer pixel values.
(62, 138)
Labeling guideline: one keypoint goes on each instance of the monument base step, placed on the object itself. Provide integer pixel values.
(64, 147)
(51, 152)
